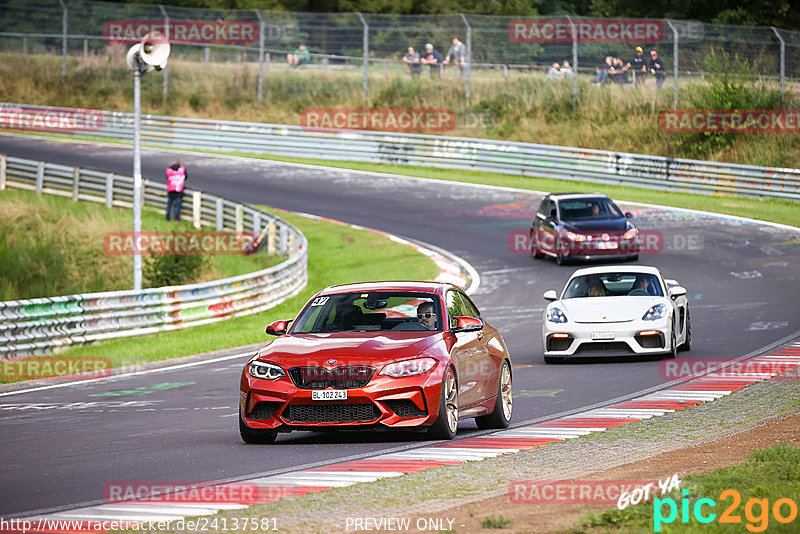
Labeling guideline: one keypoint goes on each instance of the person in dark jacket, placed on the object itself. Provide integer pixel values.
(657, 69)
(176, 178)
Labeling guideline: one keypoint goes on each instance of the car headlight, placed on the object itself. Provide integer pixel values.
(265, 370)
(572, 236)
(630, 234)
(655, 312)
(417, 366)
(555, 315)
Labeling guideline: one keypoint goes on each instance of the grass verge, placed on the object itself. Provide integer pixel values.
(337, 255)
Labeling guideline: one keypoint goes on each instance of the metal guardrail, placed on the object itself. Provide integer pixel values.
(459, 153)
(41, 325)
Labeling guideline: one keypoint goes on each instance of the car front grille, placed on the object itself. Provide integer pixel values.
(405, 408)
(604, 347)
(264, 410)
(343, 377)
(558, 343)
(331, 413)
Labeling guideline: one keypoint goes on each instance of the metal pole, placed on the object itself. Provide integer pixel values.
(137, 179)
(574, 62)
(64, 13)
(783, 65)
(165, 87)
(468, 66)
(675, 63)
(260, 55)
(366, 52)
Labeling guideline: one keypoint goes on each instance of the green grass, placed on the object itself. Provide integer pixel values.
(769, 474)
(337, 255)
(496, 522)
(52, 246)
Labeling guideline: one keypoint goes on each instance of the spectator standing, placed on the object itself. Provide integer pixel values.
(432, 57)
(657, 69)
(458, 51)
(300, 56)
(411, 59)
(176, 178)
(554, 73)
(638, 65)
(566, 70)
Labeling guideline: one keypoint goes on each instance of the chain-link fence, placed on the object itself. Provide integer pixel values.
(469, 51)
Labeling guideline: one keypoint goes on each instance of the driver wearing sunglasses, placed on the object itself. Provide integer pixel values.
(426, 315)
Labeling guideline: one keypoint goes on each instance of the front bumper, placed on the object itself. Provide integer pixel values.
(606, 339)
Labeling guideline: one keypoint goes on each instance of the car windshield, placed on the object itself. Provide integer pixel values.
(614, 285)
(370, 311)
(586, 209)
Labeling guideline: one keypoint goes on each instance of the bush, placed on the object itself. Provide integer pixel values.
(170, 270)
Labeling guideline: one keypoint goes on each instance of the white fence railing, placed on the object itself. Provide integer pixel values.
(41, 325)
(461, 153)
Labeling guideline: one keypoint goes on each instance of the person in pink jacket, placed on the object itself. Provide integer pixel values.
(176, 178)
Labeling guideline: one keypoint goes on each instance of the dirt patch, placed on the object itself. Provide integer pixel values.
(697, 459)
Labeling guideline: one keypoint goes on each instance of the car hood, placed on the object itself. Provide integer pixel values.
(348, 348)
(601, 225)
(607, 309)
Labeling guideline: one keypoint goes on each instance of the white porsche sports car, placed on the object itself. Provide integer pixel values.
(616, 311)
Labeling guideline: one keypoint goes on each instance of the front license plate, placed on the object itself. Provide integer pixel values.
(602, 335)
(607, 245)
(329, 394)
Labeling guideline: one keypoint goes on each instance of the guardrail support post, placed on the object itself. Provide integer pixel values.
(239, 228)
(783, 66)
(76, 183)
(218, 215)
(110, 190)
(284, 243)
(3, 167)
(271, 230)
(260, 55)
(256, 223)
(675, 63)
(197, 199)
(39, 177)
(289, 248)
(366, 53)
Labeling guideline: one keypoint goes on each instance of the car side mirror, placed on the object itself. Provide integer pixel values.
(467, 324)
(676, 291)
(550, 295)
(278, 328)
(628, 215)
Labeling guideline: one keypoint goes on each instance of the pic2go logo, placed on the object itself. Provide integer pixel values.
(756, 511)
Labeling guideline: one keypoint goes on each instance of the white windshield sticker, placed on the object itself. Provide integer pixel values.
(319, 301)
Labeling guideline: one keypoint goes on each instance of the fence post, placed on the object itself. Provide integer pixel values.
(3, 166)
(284, 243)
(256, 224)
(166, 68)
(25, 46)
(39, 177)
(675, 63)
(783, 65)
(366, 52)
(260, 55)
(64, 12)
(218, 215)
(271, 228)
(468, 66)
(110, 190)
(268, 60)
(206, 54)
(239, 228)
(76, 183)
(197, 205)
(574, 62)
(86, 48)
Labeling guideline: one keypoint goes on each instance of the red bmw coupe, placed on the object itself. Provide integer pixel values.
(397, 355)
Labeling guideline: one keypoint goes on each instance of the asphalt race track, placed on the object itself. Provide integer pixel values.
(743, 284)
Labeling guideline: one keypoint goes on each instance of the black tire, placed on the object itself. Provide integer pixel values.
(561, 258)
(446, 424)
(673, 351)
(254, 436)
(500, 417)
(687, 344)
(536, 253)
(553, 359)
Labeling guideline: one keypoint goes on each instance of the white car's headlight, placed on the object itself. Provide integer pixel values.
(265, 370)
(655, 312)
(417, 366)
(555, 315)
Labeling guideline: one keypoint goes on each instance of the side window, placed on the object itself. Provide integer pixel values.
(455, 307)
(553, 213)
(544, 208)
(472, 310)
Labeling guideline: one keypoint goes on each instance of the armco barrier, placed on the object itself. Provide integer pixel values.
(460, 153)
(39, 326)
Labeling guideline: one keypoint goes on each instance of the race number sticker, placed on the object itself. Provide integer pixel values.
(319, 301)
